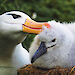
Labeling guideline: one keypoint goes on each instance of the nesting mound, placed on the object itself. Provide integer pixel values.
(30, 70)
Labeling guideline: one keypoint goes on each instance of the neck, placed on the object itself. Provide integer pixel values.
(8, 42)
(7, 47)
(6, 50)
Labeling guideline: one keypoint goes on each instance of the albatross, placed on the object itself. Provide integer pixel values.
(54, 47)
(14, 27)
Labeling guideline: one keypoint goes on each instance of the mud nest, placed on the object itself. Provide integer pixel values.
(30, 70)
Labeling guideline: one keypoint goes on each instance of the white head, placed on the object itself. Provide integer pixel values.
(14, 24)
(54, 42)
(12, 21)
(11, 26)
(56, 36)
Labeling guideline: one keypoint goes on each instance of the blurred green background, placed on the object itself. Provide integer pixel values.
(41, 10)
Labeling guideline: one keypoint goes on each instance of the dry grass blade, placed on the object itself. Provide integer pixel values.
(30, 70)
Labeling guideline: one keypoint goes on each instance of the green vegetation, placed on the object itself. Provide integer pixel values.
(59, 10)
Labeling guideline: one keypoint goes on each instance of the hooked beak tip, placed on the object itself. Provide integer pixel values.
(39, 52)
(32, 60)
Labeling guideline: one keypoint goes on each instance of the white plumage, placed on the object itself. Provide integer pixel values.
(59, 41)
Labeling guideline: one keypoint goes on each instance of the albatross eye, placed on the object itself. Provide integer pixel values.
(15, 16)
(54, 40)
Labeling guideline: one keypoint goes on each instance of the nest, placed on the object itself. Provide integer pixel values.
(30, 70)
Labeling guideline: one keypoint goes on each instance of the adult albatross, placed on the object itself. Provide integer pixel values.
(13, 26)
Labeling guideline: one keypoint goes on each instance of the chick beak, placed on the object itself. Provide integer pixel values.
(39, 52)
(31, 26)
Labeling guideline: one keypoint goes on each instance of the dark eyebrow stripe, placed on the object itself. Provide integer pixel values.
(13, 14)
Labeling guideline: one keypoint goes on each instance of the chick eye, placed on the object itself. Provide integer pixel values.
(54, 40)
(15, 16)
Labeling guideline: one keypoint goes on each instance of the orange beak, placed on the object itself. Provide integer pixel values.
(31, 26)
